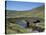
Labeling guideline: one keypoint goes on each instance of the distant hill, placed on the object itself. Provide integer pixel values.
(36, 12)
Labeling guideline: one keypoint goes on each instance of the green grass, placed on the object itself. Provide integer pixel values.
(13, 28)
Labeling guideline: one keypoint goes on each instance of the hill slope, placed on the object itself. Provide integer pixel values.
(36, 12)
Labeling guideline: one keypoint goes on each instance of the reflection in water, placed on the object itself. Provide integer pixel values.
(21, 23)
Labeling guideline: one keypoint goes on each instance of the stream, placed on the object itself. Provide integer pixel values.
(22, 24)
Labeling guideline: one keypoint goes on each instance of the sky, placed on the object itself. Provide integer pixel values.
(20, 6)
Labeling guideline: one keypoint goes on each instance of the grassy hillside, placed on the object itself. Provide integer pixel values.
(36, 12)
(12, 27)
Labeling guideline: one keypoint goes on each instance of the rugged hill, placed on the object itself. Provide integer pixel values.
(36, 12)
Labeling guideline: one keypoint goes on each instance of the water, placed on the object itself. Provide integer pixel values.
(21, 23)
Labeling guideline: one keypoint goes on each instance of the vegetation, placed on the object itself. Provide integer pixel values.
(11, 16)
